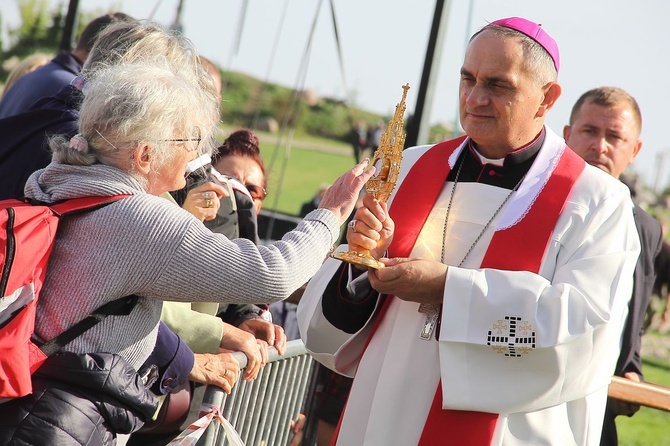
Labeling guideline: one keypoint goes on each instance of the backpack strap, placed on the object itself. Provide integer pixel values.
(76, 205)
(118, 307)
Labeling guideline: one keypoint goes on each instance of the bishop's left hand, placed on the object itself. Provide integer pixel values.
(371, 228)
(414, 280)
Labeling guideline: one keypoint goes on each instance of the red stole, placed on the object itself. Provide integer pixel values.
(410, 210)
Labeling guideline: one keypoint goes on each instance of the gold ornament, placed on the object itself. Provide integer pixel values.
(386, 160)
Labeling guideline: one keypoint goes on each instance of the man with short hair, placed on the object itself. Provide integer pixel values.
(50, 78)
(605, 126)
(497, 316)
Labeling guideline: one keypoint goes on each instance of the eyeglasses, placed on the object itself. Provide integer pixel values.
(189, 147)
(256, 192)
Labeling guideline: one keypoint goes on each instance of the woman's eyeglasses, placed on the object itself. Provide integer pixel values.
(191, 144)
(256, 192)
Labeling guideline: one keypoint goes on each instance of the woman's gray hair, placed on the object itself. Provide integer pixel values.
(135, 40)
(131, 104)
(538, 60)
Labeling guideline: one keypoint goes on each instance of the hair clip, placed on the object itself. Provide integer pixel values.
(78, 143)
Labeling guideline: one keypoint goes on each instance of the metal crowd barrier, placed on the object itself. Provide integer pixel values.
(261, 410)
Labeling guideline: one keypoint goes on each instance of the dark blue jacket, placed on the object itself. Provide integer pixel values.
(45, 81)
(23, 145)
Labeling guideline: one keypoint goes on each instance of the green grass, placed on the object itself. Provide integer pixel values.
(306, 168)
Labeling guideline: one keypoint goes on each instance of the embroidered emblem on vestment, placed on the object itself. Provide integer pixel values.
(511, 337)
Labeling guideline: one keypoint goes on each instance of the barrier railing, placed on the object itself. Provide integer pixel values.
(261, 410)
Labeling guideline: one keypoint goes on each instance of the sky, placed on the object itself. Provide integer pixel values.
(383, 45)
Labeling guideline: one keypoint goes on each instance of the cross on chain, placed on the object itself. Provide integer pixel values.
(432, 312)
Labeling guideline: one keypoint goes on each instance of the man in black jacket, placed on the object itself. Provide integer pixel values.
(50, 78)
(605, 126)
(40, 104)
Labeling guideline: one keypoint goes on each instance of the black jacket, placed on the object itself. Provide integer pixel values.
(78, 400)
(651, 242)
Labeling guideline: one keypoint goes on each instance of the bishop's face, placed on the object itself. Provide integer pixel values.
(500, 99)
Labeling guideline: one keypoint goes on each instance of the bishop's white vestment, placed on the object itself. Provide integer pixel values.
(533, 351)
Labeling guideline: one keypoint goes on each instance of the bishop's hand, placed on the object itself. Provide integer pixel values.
(371, 228)
(414, 280)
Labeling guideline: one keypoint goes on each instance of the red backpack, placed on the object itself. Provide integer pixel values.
(27, 234)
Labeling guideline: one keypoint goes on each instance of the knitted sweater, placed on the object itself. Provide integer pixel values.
(147, 246)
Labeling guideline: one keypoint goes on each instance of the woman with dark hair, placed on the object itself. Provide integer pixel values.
(238, 161)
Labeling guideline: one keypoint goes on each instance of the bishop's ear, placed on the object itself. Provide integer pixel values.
(552, 91)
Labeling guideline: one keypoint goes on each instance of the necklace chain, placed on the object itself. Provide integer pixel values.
(451, 199)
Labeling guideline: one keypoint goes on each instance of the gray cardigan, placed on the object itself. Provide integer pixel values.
(147, 246)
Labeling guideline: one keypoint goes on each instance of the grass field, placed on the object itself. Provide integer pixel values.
(293, 177)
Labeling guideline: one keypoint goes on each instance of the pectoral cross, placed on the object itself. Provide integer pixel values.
(432, 312)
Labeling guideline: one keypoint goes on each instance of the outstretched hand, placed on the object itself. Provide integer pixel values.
(341, 197)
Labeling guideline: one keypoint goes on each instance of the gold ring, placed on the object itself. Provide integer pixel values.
(209, 203)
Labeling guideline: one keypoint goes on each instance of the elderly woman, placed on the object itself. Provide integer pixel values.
(140, 124)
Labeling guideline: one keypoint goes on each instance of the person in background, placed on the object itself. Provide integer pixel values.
(27, 65)
(238, 160)
(24, 148)
(605, 126)
(375, 135)
(662, 289)
(213, 71)
(509, 264)
(50, 78)
(332, 388)
(312, 204)
(359, 139)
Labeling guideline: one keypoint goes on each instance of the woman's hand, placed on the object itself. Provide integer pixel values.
(341, 197)
(254, 349)
(221, 369)
(272, 334)
(203, 201)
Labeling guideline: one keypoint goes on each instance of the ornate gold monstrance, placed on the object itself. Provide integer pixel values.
(386, 159)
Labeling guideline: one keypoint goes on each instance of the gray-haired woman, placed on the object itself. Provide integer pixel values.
(140, 124)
